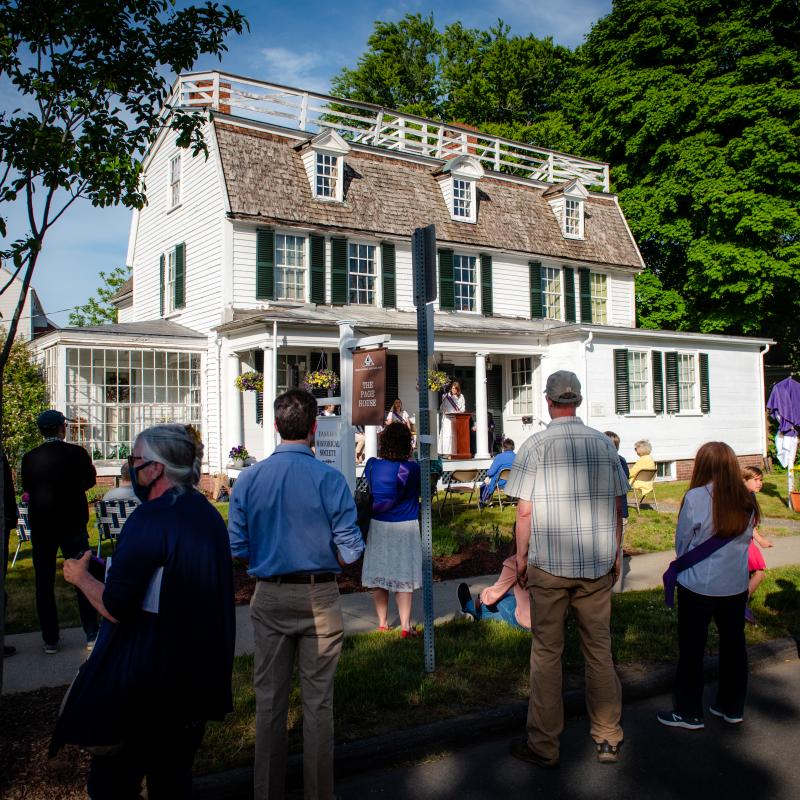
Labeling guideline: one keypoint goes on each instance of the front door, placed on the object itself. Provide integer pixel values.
(466, 377)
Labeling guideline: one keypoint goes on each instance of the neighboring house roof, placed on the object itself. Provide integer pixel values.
(155, 327)
(125, 292)
(386, 195)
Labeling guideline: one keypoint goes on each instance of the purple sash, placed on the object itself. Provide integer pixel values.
(452, 402)
(689, 559)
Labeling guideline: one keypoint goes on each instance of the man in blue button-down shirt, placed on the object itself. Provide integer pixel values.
(294, 520)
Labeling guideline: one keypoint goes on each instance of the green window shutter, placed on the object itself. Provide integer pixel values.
(392, 381)
(622, 392)
(161, 268)
(487, 301)
(388, 275)
(705, 396)
(569, 294)
(446, 293)
(258, 366)
(535, 272)
(673, 397)
(586, 295)
(317, 268)
(180, 276)
(658, 382)
(265, 264)
(339, 271)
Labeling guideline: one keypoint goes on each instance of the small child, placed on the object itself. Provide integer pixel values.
(753, 480)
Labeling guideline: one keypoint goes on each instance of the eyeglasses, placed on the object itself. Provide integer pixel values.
(144, 464)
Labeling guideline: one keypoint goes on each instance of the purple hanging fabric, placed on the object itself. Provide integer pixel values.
(784, 405)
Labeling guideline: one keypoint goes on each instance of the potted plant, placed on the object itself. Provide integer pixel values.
(437, 380)
(322, 379)
(249, 382)
(239, 455)
(794, 495)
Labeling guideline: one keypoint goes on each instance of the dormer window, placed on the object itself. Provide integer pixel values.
(567, 201)
(458, 180)
(323, 157)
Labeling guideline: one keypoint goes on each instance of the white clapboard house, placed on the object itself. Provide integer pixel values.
(301, 217)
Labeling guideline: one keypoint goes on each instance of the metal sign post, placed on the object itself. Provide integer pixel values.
(423, 249)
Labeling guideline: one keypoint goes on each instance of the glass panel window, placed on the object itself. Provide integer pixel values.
(687, 382)
(465, 282)
(361, 273)
(599, 290)
(169, 283)
(462, 199)
(175, 181)
(326, 175)
(638, 380)
(551, 292)
(521, 386)
(572, 217)
(290, 268)
(292, 371)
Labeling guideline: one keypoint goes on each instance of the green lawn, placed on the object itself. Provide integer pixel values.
(381, 686)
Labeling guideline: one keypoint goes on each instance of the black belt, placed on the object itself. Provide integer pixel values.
(302, 577)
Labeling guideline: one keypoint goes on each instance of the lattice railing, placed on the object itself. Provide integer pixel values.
(380, 127)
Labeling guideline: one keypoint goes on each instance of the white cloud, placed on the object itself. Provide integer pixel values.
(308, 69)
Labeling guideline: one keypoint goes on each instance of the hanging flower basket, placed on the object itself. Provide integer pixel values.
(437, 380)
(322, 379)
(250, 382)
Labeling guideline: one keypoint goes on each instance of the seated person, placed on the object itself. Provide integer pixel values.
(643, 449)
(125, 490)
(506, 600)
(500, 462)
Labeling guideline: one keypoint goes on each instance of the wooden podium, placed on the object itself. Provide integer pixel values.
(461, 428)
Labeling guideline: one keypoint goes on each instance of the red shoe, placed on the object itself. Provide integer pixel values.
(409, 634)
(384, 628)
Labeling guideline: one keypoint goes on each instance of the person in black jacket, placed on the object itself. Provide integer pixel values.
(9, 523)
(56, 475)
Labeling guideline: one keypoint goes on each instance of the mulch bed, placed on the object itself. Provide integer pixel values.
(479, 557)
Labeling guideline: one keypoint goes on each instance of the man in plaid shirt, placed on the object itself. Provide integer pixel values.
(570, 486)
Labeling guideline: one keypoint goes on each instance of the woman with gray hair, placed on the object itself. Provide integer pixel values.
(163, 660)
(645, 462)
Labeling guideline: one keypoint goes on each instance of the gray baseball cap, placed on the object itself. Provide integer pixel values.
(564, 388)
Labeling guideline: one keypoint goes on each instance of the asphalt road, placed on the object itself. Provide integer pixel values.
(759, 758)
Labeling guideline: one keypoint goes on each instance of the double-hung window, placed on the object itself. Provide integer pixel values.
(551, 292)
(572, 216)
(175, 181)
(326, 175)
(521, 386)
(361, 273)
(169, 281)
(687, 382)
(639, 380)
(290, 267)
(599, 297)
(462, 199)
(465, 283)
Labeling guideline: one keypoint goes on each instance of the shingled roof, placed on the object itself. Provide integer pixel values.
(390, 196)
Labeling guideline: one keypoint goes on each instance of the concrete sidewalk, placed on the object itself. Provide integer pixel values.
(31, 669)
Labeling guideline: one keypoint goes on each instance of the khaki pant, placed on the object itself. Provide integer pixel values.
(590, 601)
(306, 620)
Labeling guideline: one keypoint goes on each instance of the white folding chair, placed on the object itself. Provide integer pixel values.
(646, 476)
(461, 481)
(23, 529)
(110, 517)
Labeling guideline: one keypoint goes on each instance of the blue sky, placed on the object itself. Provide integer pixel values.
(302, 45)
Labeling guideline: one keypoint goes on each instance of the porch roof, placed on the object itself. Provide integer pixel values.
(385, 319)
(160, 332)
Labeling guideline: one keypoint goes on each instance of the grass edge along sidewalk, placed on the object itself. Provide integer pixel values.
(390, 749)
(381, 687)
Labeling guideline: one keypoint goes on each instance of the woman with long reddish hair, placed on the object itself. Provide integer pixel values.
(717, 505)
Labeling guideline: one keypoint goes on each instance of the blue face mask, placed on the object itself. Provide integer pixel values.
(142, 492)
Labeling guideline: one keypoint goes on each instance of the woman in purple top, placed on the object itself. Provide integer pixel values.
(393, 558)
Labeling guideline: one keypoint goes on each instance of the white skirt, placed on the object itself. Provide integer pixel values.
(393, 558)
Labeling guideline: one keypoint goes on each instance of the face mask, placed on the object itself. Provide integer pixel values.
(142, 492)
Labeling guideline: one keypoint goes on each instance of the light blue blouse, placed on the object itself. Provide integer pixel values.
(724, 572)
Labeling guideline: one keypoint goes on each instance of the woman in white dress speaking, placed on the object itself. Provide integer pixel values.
(453, 402)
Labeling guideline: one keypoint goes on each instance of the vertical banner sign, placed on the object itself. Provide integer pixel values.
(369, 386)
(328, 441)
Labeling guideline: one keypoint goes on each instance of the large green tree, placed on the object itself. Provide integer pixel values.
(99, 310)
(85, 84)
(696, 105)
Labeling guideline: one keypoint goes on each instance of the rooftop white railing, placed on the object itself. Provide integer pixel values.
(373, 125)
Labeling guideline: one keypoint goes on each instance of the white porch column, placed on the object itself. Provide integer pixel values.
(370, 441)
(481, 408)
(268, 412)
(233, 406)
